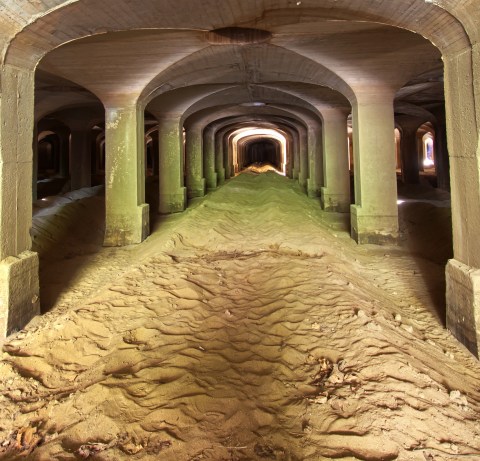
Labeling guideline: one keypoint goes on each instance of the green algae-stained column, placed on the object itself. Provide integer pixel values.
(219, 159)
(195, 181)
(374, 216)
(19, 285)
(303, 171)
(315, 166)
(127, 218)
(336, 190)
(209, 157)
(173, 194)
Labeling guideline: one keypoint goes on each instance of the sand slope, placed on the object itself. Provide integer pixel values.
(249, 327)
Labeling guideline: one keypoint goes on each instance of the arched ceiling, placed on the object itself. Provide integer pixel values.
(315, 54)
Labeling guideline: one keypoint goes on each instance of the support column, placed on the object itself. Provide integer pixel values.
(462, 104)
(442, 164)
(35, 163)
(196, 185)
(295, 155)
(408, 151)
(315, 167)
(219, 162)
(303, 173)
(227, 157)
(80, 154)
(127, 214)
(19, 285)
(374, 217)
(209, 158)
(64, 165)
(173, 194)
(336, 190)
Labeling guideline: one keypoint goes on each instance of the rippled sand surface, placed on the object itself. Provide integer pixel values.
(249, 327)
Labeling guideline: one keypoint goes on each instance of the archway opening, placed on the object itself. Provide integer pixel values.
(259, 146)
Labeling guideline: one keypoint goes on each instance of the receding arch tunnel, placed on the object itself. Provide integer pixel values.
(332, 283)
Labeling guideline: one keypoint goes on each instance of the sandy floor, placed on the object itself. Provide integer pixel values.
(250, 327)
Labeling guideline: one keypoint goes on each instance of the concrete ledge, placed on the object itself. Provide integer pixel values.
(19, 292)
(338, 203)
(173, 203)
(373, 229)
(128, 229)
(463, 304)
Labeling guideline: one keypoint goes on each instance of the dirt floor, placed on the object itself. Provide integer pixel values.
(249, 327)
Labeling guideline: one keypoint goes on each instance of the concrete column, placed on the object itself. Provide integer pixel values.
(442, 164)
(462, 103)
(80, 153)
(155, 152)
(64, 146)
(336, 190)
(227, 157)
(303, 173)
(173, 194)
(219, 160)
(374, 217)
(408, 151)
(315, 164)
(295, 155)
(196, 185)
(35, 163)
(19, 286)
(127, 214)
(211, 176)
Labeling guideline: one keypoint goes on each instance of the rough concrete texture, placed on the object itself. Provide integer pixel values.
(463, 304)
(19, 292)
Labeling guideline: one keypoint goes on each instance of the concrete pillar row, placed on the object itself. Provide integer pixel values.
(127, 214)
(211, 176)
(409, 150)
(195, 181)
(336, 190)
(315, 162)
(173, 193)
(462, 104)
(19, 284)
(374, 216)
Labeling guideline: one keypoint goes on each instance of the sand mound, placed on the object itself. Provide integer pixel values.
(249, 330)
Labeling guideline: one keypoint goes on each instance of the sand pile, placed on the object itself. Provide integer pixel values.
(247, 329)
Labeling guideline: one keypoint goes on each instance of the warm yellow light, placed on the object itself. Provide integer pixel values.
(241, 133)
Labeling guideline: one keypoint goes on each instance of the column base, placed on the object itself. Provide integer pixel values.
(173, 203)
(212, 181)
(463, 304)
(19, 292)
(373, 229)
(313, 190)
(338, 203)
(197, 189)
(221, 176)
(128, 229)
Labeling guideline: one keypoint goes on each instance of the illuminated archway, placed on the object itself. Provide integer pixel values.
(250, 132)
